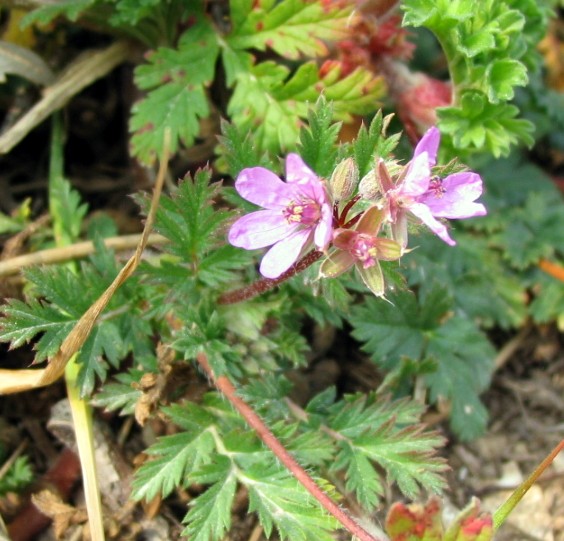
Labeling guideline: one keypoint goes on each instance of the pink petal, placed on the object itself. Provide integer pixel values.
(259, 229)
(429, 143)
(324, 229)
(460, 190)
(418, 175)
(424, 214)
(284, 254)
(262, 187)
(298, 172)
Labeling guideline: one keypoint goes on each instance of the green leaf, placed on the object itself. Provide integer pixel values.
(238, 150)
(371, 144)
(44, 14)
(178, 455)
(489, 52)
(272, 102)
(121, 395)
(502, 76)
(475, 275)
(291, 28)
(281, 502)
(401, 327)
(67, 210)
(318, 139)
(419, 331)
(533, 231)
(191, 222)
(210, 513)
(373, 431)
(176, 81)
(407, 457)
(465, 362)
(17, 476)
(360, 475)
(22, 322)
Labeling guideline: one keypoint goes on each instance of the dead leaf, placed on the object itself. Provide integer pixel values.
(62, 514)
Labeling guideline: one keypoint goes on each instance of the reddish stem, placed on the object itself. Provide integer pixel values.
(255, 422)
(265, 284)
(346, 209)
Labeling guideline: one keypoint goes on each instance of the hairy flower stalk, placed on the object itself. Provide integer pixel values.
(296, 215)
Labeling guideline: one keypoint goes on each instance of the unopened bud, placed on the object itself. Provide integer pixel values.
(344, 180)
(369, 188)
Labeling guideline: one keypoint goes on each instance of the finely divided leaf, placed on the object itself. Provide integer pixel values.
(291, 28)
(388, 434)
(272, 102)
(282, 502)
(178, 456)
(210, 513)
(318, 139)
(176, 80)
(465, 361)
(46, 13)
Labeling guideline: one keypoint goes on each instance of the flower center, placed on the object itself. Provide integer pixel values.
(305, 212)
(436, 187)
(364, 249)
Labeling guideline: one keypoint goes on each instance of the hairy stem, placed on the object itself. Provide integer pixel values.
(255, 422)
(266, 284)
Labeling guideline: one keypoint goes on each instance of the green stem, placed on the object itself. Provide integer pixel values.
(505, 509)
(80, 409)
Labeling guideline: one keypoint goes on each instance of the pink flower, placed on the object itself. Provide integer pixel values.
(429, 197)
(297, 213)
(363, 248)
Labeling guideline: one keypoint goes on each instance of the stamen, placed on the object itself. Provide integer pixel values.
(436, 186)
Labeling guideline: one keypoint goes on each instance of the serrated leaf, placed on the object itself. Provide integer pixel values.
(360, 475)
(371, 143)
(291, 28)
(119, 395)
(406, 329)
(318, 137)
(190, 221)
(281, 502)
(406, 456)
(176, 81)
(71, 9)
(22, 322)
(465, 361)
(398, 328)
(483, 287)
(104, 342)
(488, 52)
(533, 231)
(178, 456)
(271, 101)
(210, 513)
(503, 76)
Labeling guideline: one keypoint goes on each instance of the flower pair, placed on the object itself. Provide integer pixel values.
(298, 213)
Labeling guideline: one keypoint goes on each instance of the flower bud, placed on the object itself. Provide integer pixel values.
(344, 180)
(369, 188)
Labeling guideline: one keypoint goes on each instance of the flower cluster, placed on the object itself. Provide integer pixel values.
(304, 211)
